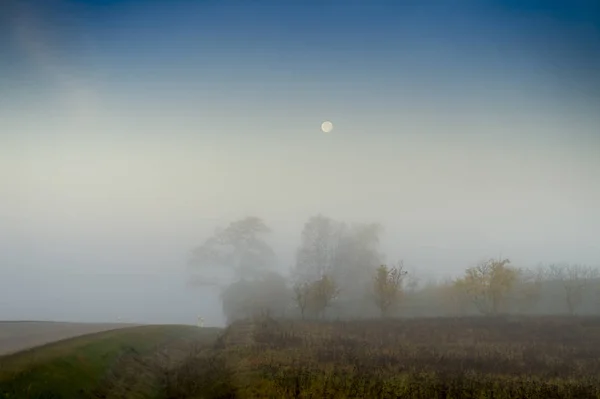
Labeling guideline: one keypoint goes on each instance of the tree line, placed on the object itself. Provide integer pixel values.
(340, 272)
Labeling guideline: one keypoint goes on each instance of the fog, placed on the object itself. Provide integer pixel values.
(129, 132)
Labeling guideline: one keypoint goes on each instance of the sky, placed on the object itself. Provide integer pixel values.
(129, 130)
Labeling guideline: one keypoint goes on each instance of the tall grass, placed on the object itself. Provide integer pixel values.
(545, 357)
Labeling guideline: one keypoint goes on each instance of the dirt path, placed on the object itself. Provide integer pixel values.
(16, 336)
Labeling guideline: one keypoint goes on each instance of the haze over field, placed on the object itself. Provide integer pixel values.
(130, 130)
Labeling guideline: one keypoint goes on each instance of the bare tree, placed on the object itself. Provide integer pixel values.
(575, 280)
(346, 254)
(317, 251)
(357, 257)
(528, 287)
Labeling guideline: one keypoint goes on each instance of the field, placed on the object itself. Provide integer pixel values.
(124, 363)
(428, 358)
(477, 357)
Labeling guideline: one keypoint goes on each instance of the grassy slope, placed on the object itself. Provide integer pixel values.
(75, 367)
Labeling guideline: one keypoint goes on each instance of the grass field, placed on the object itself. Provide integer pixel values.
(121, 363)
(545, 357)
(516, 357)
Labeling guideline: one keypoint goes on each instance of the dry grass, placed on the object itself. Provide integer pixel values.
(545, 358)
(542, 357)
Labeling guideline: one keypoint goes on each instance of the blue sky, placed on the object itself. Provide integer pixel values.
(469, 126)
(263, 49)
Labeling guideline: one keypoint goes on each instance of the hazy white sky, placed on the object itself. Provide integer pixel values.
(431, 183)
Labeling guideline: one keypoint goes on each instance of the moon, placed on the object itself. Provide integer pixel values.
(326, 127)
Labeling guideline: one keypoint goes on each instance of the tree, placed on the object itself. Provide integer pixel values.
(357, 258)
(488, 284)
(457, 294)
(575, 280)
(387, 286)
(317, 251)
(412, 281)
(265, 295)
(528, 287)
(321, 293)
(346, 254)
(239, 249)
(302, 296)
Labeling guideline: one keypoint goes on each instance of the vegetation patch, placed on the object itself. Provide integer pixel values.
(475, 357)
(100, 365)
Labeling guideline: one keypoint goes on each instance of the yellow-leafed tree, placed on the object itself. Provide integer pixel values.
(321, 293)
(387, 286)
(488, 285)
